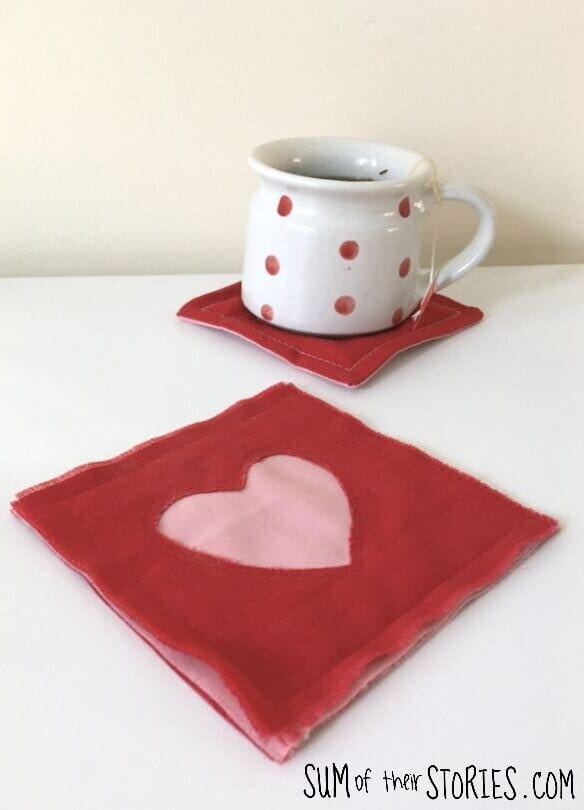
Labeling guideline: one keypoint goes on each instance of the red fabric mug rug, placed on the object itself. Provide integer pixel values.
(350, 361)
(281, 555)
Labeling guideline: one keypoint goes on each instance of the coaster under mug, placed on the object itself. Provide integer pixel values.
(350, 361)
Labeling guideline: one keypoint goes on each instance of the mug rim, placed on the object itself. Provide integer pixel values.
(258, 160)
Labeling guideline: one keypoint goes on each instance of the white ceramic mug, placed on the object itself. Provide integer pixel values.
(335, 231)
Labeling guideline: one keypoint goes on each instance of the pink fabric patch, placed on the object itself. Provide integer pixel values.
(209, 682)
(291, 513)
(205, 679)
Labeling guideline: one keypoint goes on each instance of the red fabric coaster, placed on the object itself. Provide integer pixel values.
(281, 555)
(349, 361)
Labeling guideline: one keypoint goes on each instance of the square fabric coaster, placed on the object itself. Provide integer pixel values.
(349, 360)
(281, 555)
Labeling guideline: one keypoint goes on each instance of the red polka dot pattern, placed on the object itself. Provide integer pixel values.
(345, 304)
(349, 250)
(272, 265)
(267, 312)
(404, 267)
(404, 207)
(284, 205)
(397, 316)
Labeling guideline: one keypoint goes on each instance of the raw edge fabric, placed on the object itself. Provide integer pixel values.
(279, 651)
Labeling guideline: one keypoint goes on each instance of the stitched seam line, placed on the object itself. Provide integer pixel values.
(257, 331)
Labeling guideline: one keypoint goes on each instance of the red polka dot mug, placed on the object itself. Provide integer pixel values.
(335, 230)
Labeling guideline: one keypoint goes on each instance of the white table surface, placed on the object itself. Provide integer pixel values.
(94, 719)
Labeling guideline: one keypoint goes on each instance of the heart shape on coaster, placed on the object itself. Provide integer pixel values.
(291, 513)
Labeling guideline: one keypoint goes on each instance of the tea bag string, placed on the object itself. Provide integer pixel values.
(421, 166)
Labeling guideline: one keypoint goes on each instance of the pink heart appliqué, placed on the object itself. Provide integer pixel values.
(291, 513)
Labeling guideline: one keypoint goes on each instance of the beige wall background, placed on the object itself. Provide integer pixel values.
(126, 123)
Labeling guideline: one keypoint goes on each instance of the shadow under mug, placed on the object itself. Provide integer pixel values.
(335, 232)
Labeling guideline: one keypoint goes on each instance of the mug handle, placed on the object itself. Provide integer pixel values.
(480, 244)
